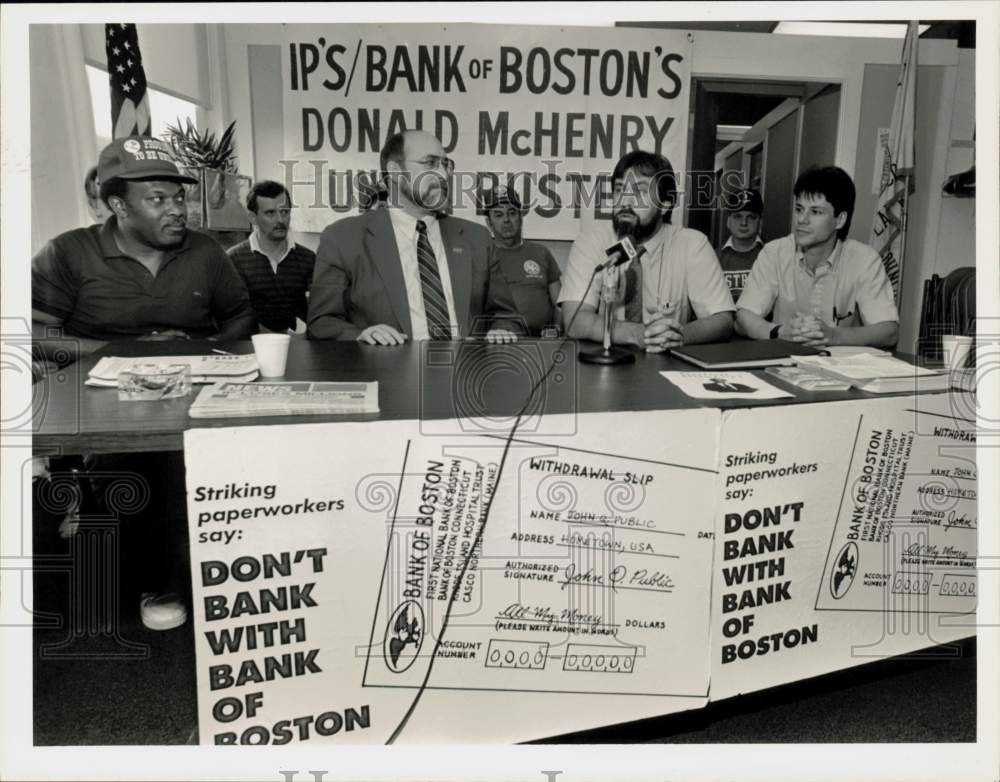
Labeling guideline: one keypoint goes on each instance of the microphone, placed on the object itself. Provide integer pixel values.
(621, 252)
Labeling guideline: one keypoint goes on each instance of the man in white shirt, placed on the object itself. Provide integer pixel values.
(673, 294)
(819, 287)
(409, 271)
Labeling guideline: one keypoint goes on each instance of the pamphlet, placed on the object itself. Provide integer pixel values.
(724, 385)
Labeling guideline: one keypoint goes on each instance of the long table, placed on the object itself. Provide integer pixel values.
(652, 429)
(417, 381)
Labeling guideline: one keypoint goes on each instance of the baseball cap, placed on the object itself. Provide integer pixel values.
(501, 196)
(748, 200)
(139, 157)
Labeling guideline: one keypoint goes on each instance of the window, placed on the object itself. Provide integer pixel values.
(163, 109)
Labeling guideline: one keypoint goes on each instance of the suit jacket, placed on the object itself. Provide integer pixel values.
(358, 280)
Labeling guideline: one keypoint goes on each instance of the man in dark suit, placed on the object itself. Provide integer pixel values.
(409, 271)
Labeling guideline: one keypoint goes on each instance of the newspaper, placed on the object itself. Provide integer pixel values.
(233, 399)
(204, 369)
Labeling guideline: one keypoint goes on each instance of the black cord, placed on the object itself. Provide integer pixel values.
(579, 304)
(486, 517)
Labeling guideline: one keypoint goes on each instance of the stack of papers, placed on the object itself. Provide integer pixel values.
(204, 369)
(808, 379)
(878, 374)
(235, 400)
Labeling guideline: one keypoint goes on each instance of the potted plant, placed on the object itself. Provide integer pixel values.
(217, 202)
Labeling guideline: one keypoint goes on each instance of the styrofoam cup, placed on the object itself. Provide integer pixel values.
(272, 353)
(956, 350)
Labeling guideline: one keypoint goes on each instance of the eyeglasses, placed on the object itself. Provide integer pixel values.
(432, 162)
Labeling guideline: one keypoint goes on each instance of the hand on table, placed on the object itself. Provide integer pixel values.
(663, 331)
(163, 335)
(381, 334)
(500, 336)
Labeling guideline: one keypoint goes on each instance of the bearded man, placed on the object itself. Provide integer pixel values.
(673, 293)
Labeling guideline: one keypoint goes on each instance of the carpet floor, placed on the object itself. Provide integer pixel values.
(101, 678)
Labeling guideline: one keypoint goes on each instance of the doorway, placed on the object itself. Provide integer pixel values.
(758, 134)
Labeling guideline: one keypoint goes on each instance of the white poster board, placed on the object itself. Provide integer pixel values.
(325, 558)
(545, 110)
(343, 577)
(849, 545)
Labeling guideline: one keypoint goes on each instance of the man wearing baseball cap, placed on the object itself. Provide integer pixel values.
(141, 275)
(744, 209)
(532, 274)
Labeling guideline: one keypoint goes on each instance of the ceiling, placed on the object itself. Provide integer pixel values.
(962, 31)
(727, 27)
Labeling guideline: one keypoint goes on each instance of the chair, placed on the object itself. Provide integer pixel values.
(948, 307)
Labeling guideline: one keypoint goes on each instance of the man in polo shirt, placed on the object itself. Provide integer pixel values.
(743, 245)
(141, 274)
(529, 268)
(815, 285)
(277, 272)
(674, 293)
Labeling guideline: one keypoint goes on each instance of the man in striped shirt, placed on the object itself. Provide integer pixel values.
(277, 272)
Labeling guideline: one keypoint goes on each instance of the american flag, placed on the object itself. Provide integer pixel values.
(129, 100)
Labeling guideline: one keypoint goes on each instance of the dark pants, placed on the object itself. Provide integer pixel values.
(145, 492)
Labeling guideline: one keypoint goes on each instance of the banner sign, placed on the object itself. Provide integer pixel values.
(854, 544)
(361, 582)
(341, 571)
(546, 111)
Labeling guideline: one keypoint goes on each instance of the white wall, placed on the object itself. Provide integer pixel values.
(810, 58)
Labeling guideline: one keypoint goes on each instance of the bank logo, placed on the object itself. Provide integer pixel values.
(404, 636)
(843, 573)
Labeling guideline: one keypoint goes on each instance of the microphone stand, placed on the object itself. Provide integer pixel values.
(609, 354)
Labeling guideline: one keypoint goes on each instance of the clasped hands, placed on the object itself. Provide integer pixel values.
(808, 330)
(382, 334)
(663, 331)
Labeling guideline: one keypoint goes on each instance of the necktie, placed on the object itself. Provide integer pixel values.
(633, 292)
(435, 305)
